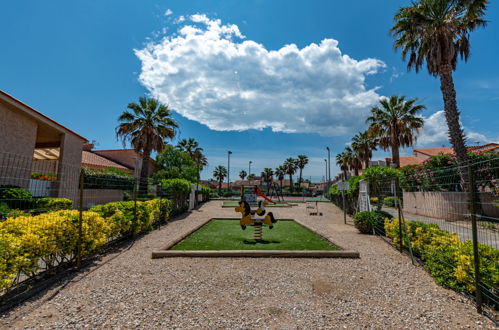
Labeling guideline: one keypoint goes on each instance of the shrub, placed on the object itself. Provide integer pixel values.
(44, 177)
(4, 210)
(53, 204)
(178, 190)
(367, 221)
(15, 197)
(389, 201)
(107, 179)
(448, 259)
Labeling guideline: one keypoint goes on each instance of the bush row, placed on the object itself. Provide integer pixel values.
(448, 259)
(368, 222)
(29, 243)
(107, 179)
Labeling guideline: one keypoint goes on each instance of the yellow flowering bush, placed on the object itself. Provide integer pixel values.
(448, 259)
(29, 243)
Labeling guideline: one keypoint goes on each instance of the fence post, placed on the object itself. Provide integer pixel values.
(135, 220)
(399, 209)
(80, 221)
(344, 207)
(476, 256)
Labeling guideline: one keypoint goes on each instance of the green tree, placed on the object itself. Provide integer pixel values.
(342, 162)
(146, 125)
(438, 32)
(267, 176)
(395, 123)
(243, 174)
(280, 172)
(175, 164)
(353, 160)
(302, 161)
(220, 173)
(364, 146)
(290, 167)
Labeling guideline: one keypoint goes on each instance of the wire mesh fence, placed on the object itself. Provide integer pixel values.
(450, 223)
(54, 214)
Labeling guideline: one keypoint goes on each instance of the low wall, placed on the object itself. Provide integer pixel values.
(447, 205)
(93, 197)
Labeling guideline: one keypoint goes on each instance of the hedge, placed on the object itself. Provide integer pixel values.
(448, 259)
(178, 190)
(53, 204)
(15, 197)
(94, 179)
(49, 239)
(368, 221)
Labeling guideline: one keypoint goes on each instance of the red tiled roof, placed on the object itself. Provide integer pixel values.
(485, 147)
(90, 159)
(434, 151)
(404, 161)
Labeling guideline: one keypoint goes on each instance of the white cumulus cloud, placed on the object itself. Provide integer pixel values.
(168, 12)
(209, 72)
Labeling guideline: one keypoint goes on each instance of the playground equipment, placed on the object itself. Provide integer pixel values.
(257, 217)
(275, 192)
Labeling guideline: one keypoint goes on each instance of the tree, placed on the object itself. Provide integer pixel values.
(146, 127)
(267, 176)
(301, 162)
(438, 32)
(290, 169)
(280, 173)
(342, 161)
(364, 146)
(395, 123)
(251, 176)
(191, 146)
(175, 164)
(353, 160)
(220, 173)
(242, 174)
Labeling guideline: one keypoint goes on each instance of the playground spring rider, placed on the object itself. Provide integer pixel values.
(256, 218)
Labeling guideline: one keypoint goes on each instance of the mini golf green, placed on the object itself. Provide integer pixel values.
(235, 203)
(227, 235)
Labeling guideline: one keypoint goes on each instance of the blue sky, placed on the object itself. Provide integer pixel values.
(81, 62)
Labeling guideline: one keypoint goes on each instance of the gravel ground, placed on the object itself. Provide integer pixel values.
(382, 289)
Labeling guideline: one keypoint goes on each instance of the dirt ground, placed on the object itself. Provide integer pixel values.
(128, 289)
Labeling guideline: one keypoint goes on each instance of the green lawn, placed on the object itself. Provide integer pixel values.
(234, 204)
(228, 235)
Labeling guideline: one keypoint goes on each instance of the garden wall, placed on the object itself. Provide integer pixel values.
(447, 205)
(93, 197)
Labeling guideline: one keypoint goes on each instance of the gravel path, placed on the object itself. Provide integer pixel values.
(380, 290)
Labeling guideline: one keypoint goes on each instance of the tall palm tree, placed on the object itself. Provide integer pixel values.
(364, 146)
(395, 123)
(302, 161)
(438, 32)
(220, 173)
(242, 174)
(146, 125)
(353, 160)
(267, 176)
(280, 172)
(342, 161)
(200, 160)
(191, 146)
(290, 167)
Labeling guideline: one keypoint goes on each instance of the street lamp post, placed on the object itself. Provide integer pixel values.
(249, 169)
(329, 164)
(228, 169)
(325, 161)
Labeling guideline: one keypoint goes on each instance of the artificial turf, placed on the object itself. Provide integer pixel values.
(228, 235)
(234, 204)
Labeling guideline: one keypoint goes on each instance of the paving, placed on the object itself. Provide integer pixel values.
(128, 289)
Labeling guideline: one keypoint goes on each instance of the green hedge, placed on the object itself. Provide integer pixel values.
(15, 197)
(106, 179)
(178, 190)
(53, 204)
(368, 221)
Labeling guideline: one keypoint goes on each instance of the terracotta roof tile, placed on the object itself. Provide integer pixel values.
(404, 161)
(92, 160)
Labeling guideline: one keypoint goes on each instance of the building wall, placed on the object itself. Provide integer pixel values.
(93, 197)
(69, 166)
(18, 138)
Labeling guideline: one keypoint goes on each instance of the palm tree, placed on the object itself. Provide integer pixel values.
(200, 160)
(353, 160)
(267, 176)
(342, 161)
(301, 162)
(395, 124)
(242, 174)
(146, 127)
(290, 167)
(364, 146)
(438, 32)
(220, 173)
(280, 173)
(191, 146)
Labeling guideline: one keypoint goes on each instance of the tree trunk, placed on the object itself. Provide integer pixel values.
(291, 183)
(299, 180)
(367, 163)
(144, 172)
(396, 155)
(456, 134)
(345, 175)
(280, 180)
(220, 186)
(356, 171)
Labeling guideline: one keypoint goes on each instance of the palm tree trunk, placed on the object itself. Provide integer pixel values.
(299, 181)
(367, 163)
(280, 180)
(396, 155)
(456, 133)
(356, 171)
(219, 186)
(144, 172)
(291, 183)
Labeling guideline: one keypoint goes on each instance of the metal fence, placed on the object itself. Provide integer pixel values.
(451, 225)
(54, 216)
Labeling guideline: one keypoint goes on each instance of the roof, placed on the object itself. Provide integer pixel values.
(35, 113)
(450, 151)
(125, 157)
(92, 160)
(404, 161)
